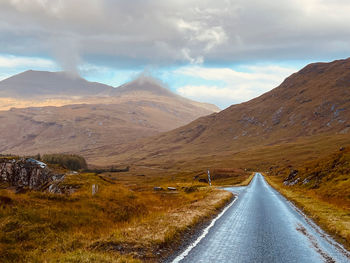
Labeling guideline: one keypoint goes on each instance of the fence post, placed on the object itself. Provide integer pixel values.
(94, 189)
(209, 177)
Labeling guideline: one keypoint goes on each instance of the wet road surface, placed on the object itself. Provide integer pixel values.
(262, 226)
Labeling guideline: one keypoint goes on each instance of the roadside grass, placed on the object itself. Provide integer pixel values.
(323, 192)
(332, 218)
(126, 221)
(246, 181)
(242, 180)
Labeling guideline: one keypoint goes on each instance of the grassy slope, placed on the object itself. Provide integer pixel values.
(322, 192)
(125, 221)
(258, 158)
(311, 102)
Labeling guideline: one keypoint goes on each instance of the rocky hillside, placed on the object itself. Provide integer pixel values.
(21, 174)
(322, 175)
(315, 100)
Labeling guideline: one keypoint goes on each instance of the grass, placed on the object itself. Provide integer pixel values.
(126, 221)
(322, 191)
(246, 181)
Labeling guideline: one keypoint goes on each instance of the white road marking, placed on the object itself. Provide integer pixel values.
(205, 232)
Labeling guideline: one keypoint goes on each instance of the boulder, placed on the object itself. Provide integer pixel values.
(26, 175)
(292, 175)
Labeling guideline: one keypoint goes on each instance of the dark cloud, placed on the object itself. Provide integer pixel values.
(144, 32)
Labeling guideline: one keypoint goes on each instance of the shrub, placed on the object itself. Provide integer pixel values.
(69, 161)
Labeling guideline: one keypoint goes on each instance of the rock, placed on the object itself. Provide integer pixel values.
(276, 117)
(57, 188)
(157, 188)
(306, 181)
(54, 189)
(24, 175)
(290, 179)
(172, 188)
(291, 175)
(291, 183)
(295, 181)
(20, 173)
(36, 162)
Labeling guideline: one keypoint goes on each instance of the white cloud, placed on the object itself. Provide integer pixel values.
(201, 32)
(221, 96)
(186, 55)
(25, 62)
(233, 86)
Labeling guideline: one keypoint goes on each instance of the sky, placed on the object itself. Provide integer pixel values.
(223, 52)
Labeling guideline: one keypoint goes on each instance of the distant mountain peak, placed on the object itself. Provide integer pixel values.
(43, 85)
(33, 83)
(56, 74)
(145, 83)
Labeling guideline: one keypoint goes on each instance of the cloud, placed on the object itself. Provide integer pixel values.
(25, 62)
(125, 34)
(66, 52)
(232, 86)
(222, 96)
(10, 65)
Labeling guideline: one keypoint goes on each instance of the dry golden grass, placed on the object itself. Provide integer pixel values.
(246, 181)
(326, 197)
(126, 221)
(332, 218)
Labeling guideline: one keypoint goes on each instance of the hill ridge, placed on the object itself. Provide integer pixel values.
(314, 100)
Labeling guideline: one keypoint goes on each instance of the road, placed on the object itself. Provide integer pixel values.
(262, 226)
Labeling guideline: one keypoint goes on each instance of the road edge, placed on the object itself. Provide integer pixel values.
(196, 232)
(328, 236)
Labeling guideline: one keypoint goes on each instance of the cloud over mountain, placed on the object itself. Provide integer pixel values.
(169, 32)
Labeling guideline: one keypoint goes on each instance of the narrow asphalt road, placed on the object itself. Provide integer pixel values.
(262, 226)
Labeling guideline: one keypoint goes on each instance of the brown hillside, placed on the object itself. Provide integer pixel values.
(315, 100)
(92, 123)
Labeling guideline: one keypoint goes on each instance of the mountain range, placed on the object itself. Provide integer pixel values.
(122, 125)
(70, 114)
(312, 102)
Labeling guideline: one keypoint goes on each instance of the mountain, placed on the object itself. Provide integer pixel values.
(44, 84)
(42, 88)
(313, 101)
(143, 84)
(91, 118)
